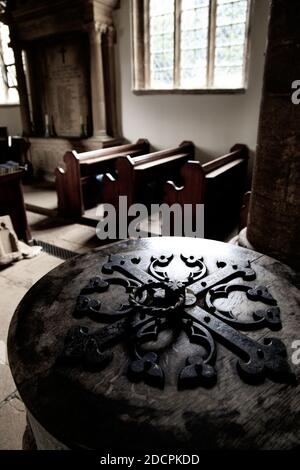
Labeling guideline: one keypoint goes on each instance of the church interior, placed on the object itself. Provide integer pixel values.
(119, 330)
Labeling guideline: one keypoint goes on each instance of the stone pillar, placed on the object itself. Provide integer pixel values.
(274, 218)
(97, 80)
(22, 85)
(110, 92)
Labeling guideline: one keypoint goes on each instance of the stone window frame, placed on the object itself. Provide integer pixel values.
(140, 51)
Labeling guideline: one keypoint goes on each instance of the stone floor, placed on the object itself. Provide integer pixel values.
(15, 281)
(40, 195)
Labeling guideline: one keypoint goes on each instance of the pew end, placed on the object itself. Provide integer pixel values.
(145, 144)
(69, 195)
(59, 171)
(242, 149)
(77, 185)
(193, 193)
(141, 178)
(109, 186)
(122, 183)
(189, 148)
(219, 184)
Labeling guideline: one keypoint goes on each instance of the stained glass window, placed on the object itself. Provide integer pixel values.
(195, 44)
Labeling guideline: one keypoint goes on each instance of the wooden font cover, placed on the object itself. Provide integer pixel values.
(186, 362)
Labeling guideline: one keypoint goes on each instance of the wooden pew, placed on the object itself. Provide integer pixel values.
(133, 174)
(219, 185)
(72, 182)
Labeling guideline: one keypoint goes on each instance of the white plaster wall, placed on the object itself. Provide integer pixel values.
(10, 117)
(213, 122)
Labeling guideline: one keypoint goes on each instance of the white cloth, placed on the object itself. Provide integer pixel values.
(12, 249)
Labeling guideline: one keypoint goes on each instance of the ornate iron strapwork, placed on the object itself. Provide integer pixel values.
(156, 303)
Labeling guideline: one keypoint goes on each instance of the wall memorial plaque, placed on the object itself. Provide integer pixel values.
(65, 79)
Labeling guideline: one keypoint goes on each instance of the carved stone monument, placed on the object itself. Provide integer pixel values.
(64, 52)
(67, 94)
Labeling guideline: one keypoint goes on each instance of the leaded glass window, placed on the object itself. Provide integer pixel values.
(194, 43)
(231, 20)
(191, 44)
(8, 80)
(161, 34)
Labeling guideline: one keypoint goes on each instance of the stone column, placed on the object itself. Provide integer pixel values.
(111, 99)
(274, 218)
(97, 80)
(21, 79)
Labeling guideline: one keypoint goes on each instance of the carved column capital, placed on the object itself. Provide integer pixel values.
(101, 28)
(96, 32)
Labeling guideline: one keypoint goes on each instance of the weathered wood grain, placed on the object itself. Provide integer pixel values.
(103, 410)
